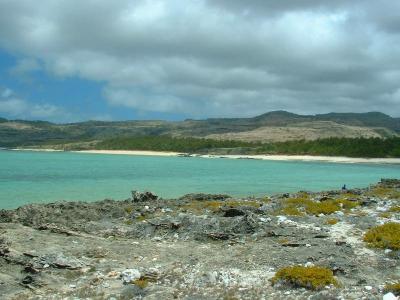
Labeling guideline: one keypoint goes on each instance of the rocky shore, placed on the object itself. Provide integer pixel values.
(206, 247)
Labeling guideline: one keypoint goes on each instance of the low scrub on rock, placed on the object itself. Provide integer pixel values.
(393, 288)
(313, 278)
(384, 236)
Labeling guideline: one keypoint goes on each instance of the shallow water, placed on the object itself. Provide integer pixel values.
(27, 177)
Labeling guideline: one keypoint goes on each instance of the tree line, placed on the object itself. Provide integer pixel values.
(351, 147)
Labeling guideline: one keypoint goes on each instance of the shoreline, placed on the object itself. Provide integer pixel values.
(271, 157)
(200, 246)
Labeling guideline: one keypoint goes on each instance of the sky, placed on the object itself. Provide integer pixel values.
(74, 60)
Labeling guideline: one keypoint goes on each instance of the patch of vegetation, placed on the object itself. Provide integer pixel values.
(167, 143)
(351, 147)
(141, 282)
(128, 222)
(385, 215)
(313, 278)
(384, 192)
(384, 236)
(290, 211)
(394, 288)
(332, 221)
(395, 209)
(141, 218)
(238, 203)
(215, 206)
(129, 209)
(347, 204)
(302, 203)
(325, 207)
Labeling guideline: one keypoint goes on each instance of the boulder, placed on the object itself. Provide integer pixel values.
(143, 196)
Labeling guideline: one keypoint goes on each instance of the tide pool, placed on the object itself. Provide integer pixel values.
(27, 177)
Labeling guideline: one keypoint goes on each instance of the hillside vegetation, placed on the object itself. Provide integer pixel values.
(346, 134)
(269, 127)
(359, 147)
(166, 143)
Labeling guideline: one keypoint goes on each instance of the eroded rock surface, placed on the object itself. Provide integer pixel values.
(198, 247)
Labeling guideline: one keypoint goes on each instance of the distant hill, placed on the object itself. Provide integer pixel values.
(271, 126)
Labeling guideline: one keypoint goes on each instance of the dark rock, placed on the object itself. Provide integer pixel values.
(389, 182)
(143, 196)
(4, 247)
(233, 212)
(204, 197)
(27, 280)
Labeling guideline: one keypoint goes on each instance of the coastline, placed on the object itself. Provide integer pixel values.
(309, 158)
(130, 152)
(333, 159)
(199, 246)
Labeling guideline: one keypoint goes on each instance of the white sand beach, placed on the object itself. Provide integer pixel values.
(333, 159)
(130, 152)
(337, 159)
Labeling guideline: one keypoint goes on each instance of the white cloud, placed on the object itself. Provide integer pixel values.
(16, 107)
(216, 58)
(6, 93)
(25, 65)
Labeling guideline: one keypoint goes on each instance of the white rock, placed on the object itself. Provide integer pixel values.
(308, 245)
(130, 275)
(309, 264)
(340, 213)
(321, 215)
(389, 296)
(146, 207)
(368, 287)
(265, 219)
(72, 286)
(282, 219)
(388, 251)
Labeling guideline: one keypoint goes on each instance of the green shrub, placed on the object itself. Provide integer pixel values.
(308, 277)
(384, 236)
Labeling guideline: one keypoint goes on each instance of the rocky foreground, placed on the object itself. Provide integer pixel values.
(204, 247)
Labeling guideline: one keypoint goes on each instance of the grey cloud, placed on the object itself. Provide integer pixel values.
(212, 58)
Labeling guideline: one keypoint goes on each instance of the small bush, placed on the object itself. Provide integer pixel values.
(394, 288)
(385, 215)
(142, 283)
(332, 221)
(290, 211)
(384, 192)
(308, 277)
(347, 204)
(326, 208)
(395, 209)
(384, 236)
(129, 209)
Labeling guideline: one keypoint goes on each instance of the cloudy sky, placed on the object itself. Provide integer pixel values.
(71, 60)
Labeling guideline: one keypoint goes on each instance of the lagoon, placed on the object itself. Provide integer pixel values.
(39, 177)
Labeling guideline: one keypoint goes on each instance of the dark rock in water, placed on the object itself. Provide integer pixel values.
(204, 197)
(143, 196)
(234, 212)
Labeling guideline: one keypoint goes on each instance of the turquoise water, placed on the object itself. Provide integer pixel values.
(27, 177)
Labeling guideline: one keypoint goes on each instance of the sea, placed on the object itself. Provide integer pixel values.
(42, 177)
